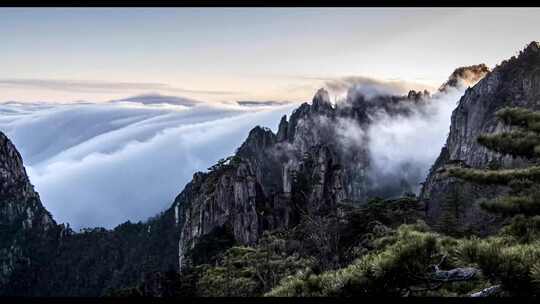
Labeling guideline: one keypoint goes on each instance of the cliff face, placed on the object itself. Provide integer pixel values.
(515, 82)
(20, 204)
(26, 228)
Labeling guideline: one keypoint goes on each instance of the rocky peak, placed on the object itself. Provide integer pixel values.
(12, 172)
(466, 76)
(259, 138)
(282, 129)
(532, 48)
(527, 60)
(321, 101)
(417, 95)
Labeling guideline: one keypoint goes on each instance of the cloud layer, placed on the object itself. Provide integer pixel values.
(103, 164)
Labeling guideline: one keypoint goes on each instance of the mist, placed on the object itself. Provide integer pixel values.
(404, 147)
(352, 86)
(403, 139)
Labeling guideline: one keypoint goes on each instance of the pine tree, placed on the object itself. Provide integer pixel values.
(452, 209)
(522, 141)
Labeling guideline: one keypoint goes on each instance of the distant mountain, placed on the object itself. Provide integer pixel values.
(251, 103)
(153, 99)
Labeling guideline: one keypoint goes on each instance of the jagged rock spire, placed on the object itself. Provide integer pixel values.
(321, 101)
(282, 129)
(533, 46)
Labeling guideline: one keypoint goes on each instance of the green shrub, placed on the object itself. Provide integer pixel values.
(405, 261)
(251, 271)
(505, 261)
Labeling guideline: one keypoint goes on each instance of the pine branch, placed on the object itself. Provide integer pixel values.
(520, 117)
(501, 177)
(512, 205)
(515, 143)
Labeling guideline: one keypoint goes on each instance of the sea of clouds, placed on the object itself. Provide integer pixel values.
(101, 164)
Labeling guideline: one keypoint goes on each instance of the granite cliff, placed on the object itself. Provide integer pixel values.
(515, 82)
(26, 227)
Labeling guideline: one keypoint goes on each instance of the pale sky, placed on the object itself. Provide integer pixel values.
(228, 54)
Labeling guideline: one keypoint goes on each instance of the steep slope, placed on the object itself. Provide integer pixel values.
(26, 228)
(515, 82)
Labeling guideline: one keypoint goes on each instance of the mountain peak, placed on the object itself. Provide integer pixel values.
(466, 76)
(527, 60)
(321, 96)
(11, 168)
(156, 99)
(532, 47)
(321, 100)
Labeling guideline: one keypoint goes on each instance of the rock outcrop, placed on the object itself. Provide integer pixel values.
(515, 82)
(466, 76)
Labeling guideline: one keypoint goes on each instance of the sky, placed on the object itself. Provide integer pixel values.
(228, 54)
